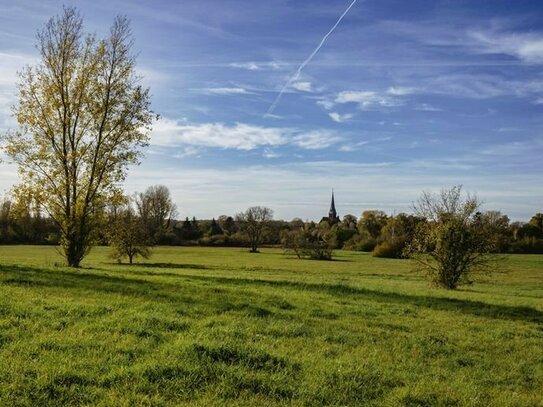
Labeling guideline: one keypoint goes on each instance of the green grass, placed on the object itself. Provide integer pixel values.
(214, 327)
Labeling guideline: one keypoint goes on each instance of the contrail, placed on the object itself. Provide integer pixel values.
(309, 58)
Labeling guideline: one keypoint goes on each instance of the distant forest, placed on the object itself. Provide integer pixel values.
(373, 231)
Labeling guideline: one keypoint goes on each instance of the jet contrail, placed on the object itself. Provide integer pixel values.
(309, 58)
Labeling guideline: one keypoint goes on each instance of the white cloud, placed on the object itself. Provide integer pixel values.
(257, 66)
(366, 99)
(347, 148)
(188, 151)
(340, 118)
(326, 103)
(302, 86)
(269, 153)
(482, 86)
(316, 140)
(225, 91)
(428, 108)
(400, 90)
(239, 136)
(527, 47)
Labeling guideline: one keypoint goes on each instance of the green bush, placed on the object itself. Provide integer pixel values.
(392, 249)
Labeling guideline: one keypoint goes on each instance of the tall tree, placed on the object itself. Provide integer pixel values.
(156, 209)
(83, 116)
(252, 223)
(371, 222)
(227, 224)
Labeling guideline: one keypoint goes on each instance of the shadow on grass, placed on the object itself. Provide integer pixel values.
(154, 290)
(164, 265)
(86, 279)
(477, 308)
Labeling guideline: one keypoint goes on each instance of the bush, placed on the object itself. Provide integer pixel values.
(454, 243)
(306, 243)
(360, 244)
(527, 245)
(392, 249)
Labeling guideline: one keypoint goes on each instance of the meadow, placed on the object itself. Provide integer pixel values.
(214, 327)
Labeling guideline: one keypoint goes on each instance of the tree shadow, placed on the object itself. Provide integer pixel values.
(477, 308)
(29, 276)
(83, 280)
(165, 265)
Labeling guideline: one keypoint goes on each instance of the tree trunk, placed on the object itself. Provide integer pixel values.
(74, 253)
(76, 245)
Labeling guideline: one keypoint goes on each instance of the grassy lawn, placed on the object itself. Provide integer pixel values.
(214, 327)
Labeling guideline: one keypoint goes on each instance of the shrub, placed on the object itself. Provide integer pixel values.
(305, 243)
(393, 249)
(454, 243)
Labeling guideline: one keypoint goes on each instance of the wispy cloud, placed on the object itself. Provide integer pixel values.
(257, 66)
(400, 90)
(528, 47)
(224, 91)
(355, 146)
(480, 86)
(239, 136)
(188, 151)
(340, 118)
(269, 153)
(298, 72)
(348, 148)
(366, 100)
(316, 140)
(425, 107)
(302, 86)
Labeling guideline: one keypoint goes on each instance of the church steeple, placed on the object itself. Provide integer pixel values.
(332, 214)
(332, 217)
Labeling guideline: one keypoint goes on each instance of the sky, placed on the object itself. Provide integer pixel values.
(277, 102)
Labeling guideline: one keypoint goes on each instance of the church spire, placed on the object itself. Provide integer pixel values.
(332, 214)
(332, 217)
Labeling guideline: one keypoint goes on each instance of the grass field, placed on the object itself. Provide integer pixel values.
(213, 327)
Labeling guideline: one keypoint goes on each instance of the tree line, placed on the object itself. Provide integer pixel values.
(156, 216)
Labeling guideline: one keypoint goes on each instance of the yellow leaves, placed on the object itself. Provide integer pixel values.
(83, 118)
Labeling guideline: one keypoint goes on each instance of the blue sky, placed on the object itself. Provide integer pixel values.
(403, 96)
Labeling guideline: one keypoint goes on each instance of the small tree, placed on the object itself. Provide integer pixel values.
(128, 237)
(451, 245)
(309, 242)
(252, 223)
